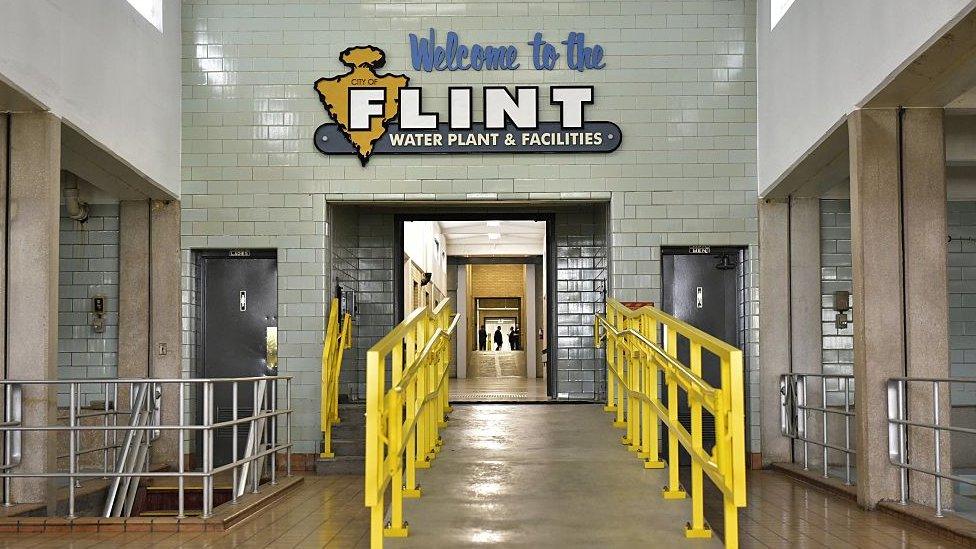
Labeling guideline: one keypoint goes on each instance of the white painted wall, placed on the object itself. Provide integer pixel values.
(528, 331)
(824, 58)
(419, 245)
(106, 71)
(461, 334)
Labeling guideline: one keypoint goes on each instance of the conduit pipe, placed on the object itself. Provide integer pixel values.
(77, 209)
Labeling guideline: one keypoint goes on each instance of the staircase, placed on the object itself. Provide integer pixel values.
(161, 498)
(348, 443)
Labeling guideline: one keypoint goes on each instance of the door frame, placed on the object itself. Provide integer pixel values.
(445, 213)
(199, 258)
(741, 253)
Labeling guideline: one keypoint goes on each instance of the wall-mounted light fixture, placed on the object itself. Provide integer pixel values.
(842, 304)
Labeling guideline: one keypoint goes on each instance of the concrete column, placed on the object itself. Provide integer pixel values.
(528, 331)
(164, 331)
(134, 288)
(876, 249)
(461, 334)
(926, 287)
(774, 324)
(32, 298)
(805, 297)
(806, 330)
(3, 230)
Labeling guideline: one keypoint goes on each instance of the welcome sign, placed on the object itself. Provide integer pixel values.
(380, 113)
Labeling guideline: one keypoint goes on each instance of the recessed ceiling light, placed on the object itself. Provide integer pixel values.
(494, 223)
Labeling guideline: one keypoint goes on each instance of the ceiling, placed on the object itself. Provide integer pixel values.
(494, 237)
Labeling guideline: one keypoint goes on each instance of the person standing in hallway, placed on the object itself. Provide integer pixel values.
(498, 338)
(511, 340)
(482, 338)
(517, 337)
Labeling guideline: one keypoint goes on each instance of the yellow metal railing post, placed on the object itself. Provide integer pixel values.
(326, 418)
(618, 350)
(673, 490)
(374, 446)
(633, 402)
(411, 489)
(653, 460)
(697, 528)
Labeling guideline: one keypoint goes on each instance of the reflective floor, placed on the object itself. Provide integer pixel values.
(496, 364)
(532, 476)
(498, 389)
(541, 476)
(785, 514)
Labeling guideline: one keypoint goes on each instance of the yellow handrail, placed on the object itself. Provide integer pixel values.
(338, 338)
(404, 416)
(635, 361)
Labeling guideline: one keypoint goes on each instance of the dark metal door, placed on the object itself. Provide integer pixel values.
(700, 286)
(239, 303)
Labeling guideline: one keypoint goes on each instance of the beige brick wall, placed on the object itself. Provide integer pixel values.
(494, 281)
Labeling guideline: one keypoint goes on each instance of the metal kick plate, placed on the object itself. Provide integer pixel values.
(271, 343)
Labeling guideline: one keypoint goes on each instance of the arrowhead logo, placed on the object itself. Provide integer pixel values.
(361, 101)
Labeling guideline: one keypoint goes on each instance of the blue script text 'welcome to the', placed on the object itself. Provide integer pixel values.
(426, 55)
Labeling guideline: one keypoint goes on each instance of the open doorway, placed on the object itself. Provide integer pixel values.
(494, 270)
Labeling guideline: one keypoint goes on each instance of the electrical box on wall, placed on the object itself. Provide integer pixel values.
(347, 300)
(98, 314)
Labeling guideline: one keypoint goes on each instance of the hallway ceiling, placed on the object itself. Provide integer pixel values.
(486, 238)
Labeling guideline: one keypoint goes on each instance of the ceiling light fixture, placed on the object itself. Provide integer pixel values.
(494, 223)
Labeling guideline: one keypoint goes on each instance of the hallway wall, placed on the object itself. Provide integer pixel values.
(836, 273)
(679, 81)
(88, 266)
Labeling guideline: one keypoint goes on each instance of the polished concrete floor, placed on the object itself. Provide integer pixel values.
(541, 476)
(498, 389)
(496, 363)
(532, 476)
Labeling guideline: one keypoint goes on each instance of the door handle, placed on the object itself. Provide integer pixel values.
(271, 346)
(698, 297)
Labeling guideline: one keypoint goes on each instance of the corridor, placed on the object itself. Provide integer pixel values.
(540, 476)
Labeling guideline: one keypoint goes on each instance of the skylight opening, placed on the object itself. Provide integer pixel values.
(777, 9)
(152, 10)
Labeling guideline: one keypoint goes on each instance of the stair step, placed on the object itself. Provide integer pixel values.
(341, 465)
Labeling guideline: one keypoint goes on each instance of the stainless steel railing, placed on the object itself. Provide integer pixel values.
(900, 392)
(798, 416)
(269, 433)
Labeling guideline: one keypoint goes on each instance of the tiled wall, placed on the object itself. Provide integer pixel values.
(582, 272)
(962, 298)
(89, 266)
(836, 274)
(679, 80)
(748, 307)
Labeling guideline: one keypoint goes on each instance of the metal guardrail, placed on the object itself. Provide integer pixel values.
(145, 397)
(795, 412)
(635, 363)
(338, 338)
(403, 422)
(898, 433)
